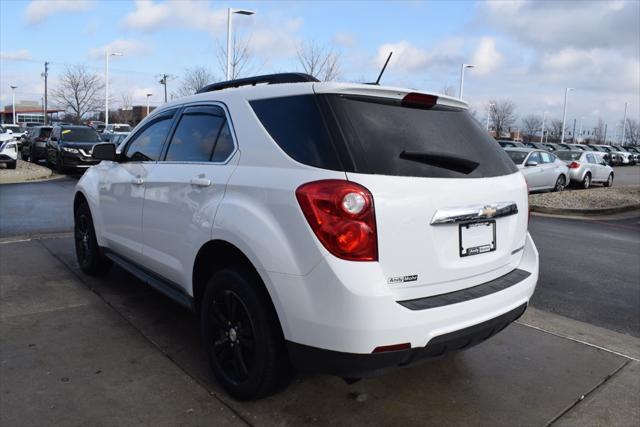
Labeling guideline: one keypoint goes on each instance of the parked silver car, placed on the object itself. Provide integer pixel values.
(587, 167)
(541, 169)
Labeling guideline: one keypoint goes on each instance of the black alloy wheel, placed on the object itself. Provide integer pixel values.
(88, 253)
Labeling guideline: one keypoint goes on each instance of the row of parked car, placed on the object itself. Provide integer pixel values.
(577, 164)
(66, 147)
(618, 155)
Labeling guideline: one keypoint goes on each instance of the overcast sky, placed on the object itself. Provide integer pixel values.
(525, 51)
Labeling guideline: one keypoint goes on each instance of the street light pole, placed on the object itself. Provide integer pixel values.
(462, 68)
(148, 96)
(107, 55)
(230, 11)
(624, 122)
(564, 115)
(13, 102)
(489, 114)
(544, 115)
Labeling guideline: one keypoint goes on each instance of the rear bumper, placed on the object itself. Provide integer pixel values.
(354, 365)
(321, 315)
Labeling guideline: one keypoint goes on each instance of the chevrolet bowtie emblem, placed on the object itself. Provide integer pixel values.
(488, 211)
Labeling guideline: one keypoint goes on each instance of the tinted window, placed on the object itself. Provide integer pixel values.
(569, 155)
(295, 124)
(388, 139)
(546, 157)
(517, 156)
(80, 135)
(195, 137)
(45, 132)
(147, 144)
(224, 145)
(122, 128)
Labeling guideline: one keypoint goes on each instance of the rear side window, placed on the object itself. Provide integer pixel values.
(546, 157)
(591, 158)
(296, 124)
(388, 139)
(196, 135)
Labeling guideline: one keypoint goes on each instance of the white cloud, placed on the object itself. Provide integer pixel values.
(126, 47)
(155, 16)
(408, 58)
(16, 55)
(39, 11)
(343, 39)
(486, 57)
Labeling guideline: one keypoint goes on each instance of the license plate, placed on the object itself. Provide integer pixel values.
(477, 238)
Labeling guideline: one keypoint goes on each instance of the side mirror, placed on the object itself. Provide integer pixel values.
(105, 151)
(531, 163)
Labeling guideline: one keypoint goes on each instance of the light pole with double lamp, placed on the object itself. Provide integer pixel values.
(564, 115)
(462, 68)
(13, 102)
(231, 11)
(107, 55)
(148, 96)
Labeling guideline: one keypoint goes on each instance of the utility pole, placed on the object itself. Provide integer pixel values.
(163, 81)
(564, 115)
(574, 130)
(624, 122)
(46, 75)
(605, 134)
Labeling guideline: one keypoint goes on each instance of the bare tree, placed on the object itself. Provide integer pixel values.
(448, 90)
(632, 132)
(194, 79)
(79, 92)
(502, 115)
(319, 61)
(598, 132)
(556, 129)
(240, 57)
(531, 124)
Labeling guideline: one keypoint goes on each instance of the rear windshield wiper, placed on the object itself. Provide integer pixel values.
(441, 160)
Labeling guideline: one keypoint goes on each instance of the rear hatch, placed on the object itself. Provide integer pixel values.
(428, 164)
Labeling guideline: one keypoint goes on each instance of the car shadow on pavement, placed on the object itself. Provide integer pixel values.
(522, 376)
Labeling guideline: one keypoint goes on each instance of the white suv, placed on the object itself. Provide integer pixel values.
(338, 228)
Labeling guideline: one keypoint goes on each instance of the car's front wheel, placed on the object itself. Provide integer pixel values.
(609, 181)
(561, 182)
(242, 335)
(88, 254)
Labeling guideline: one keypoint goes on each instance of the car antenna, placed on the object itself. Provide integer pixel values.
(377, 83)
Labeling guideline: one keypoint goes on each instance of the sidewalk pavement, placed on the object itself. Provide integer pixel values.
(110, 351)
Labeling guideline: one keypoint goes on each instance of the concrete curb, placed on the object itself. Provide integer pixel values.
(35, 175)
(585, 212)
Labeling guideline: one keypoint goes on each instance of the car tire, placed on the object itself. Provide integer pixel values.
(12, 165)
(90, 258)
(59, 166)
(24, 157)
(242, 335)
(561, 183)
(586, 181)
(609, 181)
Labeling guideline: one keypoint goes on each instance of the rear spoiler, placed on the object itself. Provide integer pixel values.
(384, 92)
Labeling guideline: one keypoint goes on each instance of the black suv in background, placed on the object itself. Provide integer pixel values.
(70, 147)
(34, 145)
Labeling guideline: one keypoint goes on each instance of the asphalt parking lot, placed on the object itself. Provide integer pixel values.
(110, 351)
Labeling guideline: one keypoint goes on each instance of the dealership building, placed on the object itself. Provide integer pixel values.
(26, 112)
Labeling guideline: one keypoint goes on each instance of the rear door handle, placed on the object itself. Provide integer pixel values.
(137, 181)
(201, 182)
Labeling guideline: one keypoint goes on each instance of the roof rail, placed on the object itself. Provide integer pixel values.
(270, 79)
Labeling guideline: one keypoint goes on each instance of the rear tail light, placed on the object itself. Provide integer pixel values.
(342, 216)
(574, 165)
(419, 100)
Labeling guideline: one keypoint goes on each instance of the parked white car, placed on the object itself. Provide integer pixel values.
(541, 169)
(586, 168)
(338, 228)
(8, 149)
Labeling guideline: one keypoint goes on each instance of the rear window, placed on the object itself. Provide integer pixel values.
(44, 132)
(80, 135)
(122, 128)
(517, 156)
(568, 155)
(378, 136)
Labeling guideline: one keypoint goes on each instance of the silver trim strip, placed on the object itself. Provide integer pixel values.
(474, 213)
